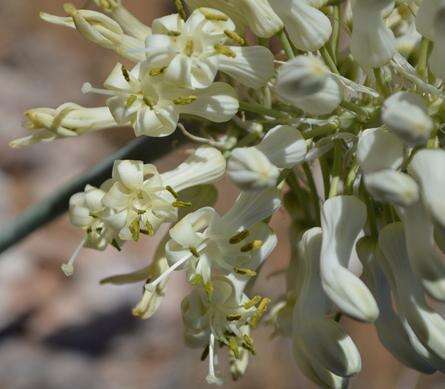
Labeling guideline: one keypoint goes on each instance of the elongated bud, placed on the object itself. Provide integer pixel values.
(206, 165)
(67, 121)
(260, 17)
(250, 169)
(308, 28)
(393, 187)
(378, 149)
(300, 77)
(405, 114)
(373, 43)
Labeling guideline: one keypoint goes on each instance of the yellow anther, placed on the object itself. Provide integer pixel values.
(181, 204)
(185, 100)
(181, 9)
(261, 310)
(233, 317)
(130, 101)
(248, 343)
(125, 73)
(149, 228)
(156, 71)
(197, 280)
(252, 303)
(233, 346)
(235, 37)
(173, 33)
(225, 50)
(239, 237)
(217, 17)
(172, 191)
(70, 9)
(194, 252)
(116, 245)
(148, 101)
(108, 5)
(208, 287)
(245, 272)
(189, 48)
(254, 245)
(135, 229)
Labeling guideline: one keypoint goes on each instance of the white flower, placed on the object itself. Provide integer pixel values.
(437, 58)
(392, 186)
(425, 257)
(300, 77)
(308, 28)
(373, 43)
(191, 53)
(343, 218)
(234, 243)
(224, 314)
(130, 24)
(406, 115)
(428, 168)
(378, 149)
(100, 29)
(256, 14)
(67, 121)
(322, 102)
(394, 332)
(153, 106)
(254, 168)
(319, 341)
(428, 326)
(425, 17)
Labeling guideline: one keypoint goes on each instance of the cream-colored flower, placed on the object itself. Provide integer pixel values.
(153, 106)
(67, 121)
(190, 53)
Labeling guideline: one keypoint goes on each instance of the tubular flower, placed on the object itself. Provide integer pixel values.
(190, 53)
(67, 121)
(254, 168)
(138, 200)
(153, 107)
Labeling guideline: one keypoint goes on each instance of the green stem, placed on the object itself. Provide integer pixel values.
(327, 129)
(147, 149)
(336, 170)
(296, 189)
(261, 110)
(286, 44)
(352, 175)
(325, 172)
(372, 219)
(335, 37)
(422, 64)
(382, 86)
(314, 192)
(328, 59)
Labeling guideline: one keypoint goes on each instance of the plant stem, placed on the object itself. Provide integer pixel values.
(147, 149)
(328, 59)
(336, 170)
(261, 110)
(382, 87)
(313, 189)
(286, 44)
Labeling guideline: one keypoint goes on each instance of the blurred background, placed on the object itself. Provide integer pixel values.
(74, 333)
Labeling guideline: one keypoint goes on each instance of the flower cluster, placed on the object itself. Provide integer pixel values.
(338, 122)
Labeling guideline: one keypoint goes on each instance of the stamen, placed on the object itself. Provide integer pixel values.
(252, 303)
(254, 245)
(262, 308)
(225, 50)
(245, 272)
(135, 229)
(189, 47)
(68, 268)
(157, 71)
(116, 245)
(152, 285)
(248, 344)
(233, 346)
(125, 73)
(149, 228)
(130, 101)
(185, 100)
(148, 101)
(208, 287)
(173, 33)
(218, 17)
(233, 317)
(235, 37)
(88, 88)
(239, 237)
(194, 252)
(172, 191)
(197, 280)
(181, 204)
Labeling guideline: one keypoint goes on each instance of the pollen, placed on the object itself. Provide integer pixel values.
(225, 50)
(235, 37)
(185, 100)
(239, 237)
(217, 17)
(125, 73)
(245, 272)
(254, 245)
(189, 48)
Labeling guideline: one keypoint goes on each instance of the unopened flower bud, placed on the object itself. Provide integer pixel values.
(406, 115)
(392, 186)
(300, 77)
(250, 169)
(308, 28)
